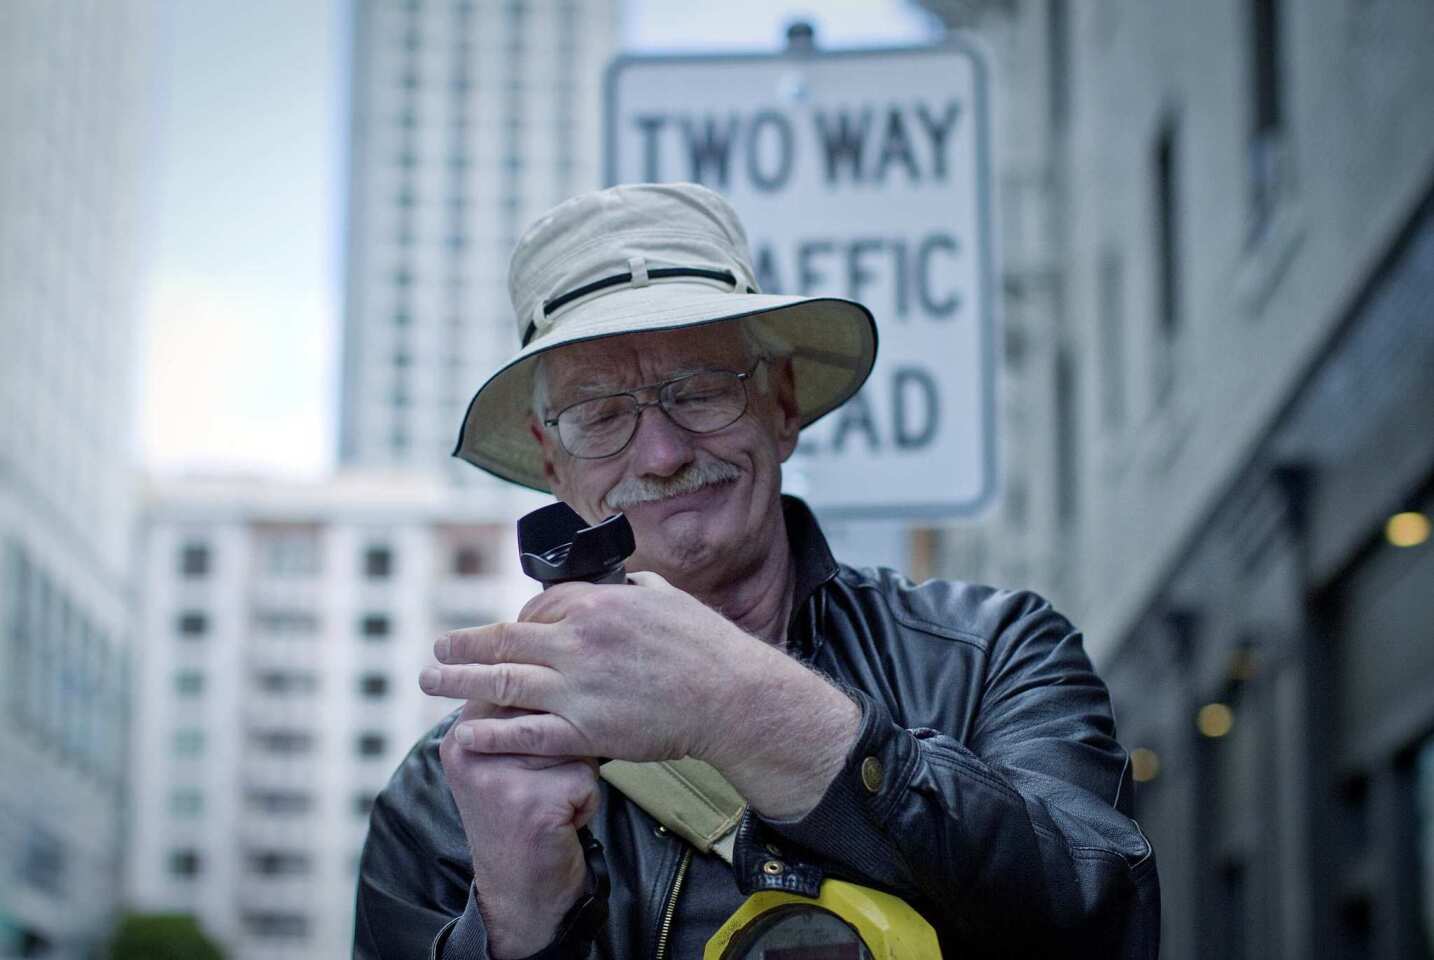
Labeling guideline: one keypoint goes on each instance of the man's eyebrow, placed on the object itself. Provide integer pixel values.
(590, 388)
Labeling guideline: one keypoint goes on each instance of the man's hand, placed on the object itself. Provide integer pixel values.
(645, 671)
(521, 816)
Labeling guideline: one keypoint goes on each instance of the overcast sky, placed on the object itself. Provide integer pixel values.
(240, 309)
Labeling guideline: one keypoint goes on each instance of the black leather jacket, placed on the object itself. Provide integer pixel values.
(1001, 810)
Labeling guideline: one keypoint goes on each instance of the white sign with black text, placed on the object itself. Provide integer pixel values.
(860, 174)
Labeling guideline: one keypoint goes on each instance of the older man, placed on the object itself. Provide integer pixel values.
(942, 742)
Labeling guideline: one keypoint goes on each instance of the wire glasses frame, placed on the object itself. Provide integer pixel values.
(704, 401)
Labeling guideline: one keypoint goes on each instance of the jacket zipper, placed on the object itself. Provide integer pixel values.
(665, 931)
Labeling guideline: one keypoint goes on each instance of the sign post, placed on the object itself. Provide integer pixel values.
(860, 174)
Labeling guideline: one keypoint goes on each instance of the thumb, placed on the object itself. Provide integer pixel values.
(646, 578)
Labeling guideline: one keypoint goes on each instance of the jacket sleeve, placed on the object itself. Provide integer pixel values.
(1019, 831)
(416, 899)
(415, 877)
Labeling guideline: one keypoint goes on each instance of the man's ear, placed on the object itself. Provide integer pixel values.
(787, 415)
(545, 442)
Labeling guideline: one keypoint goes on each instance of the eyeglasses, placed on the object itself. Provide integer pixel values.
(701, 402)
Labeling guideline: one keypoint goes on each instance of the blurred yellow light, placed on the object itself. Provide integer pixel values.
(1215, 720)
(1144, 764)
(1407, 529)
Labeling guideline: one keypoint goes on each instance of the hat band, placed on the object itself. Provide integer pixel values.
(617, 279)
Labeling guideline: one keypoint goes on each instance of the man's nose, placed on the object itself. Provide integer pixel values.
(659, 447)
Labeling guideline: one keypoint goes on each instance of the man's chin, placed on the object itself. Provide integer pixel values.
(678, 531)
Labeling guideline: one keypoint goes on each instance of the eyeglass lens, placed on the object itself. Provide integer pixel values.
(701, 403)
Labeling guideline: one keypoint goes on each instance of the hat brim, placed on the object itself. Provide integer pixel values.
(833, 348)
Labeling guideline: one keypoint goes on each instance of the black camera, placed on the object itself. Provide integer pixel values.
(556, 545)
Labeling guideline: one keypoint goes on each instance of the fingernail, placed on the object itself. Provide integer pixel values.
(428, 679)
(464, 736)
(443, 646)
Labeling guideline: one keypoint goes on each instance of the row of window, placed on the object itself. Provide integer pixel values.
(63, 679)
(194, 624)
(296, 553)
(189, 741)
(190, 682)
(188, 802)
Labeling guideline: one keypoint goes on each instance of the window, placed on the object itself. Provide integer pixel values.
(374, 626)
(276, 926)
(194, 560)
(370, 744)
(378, 563)
(1058, 42)
(1111, 293)
(402, 318)
(468, 561)
(373, 686)
(363, 803)
(283, 742)
(1267, 140)
(285, 681)
(188, 741)
(289, 551)
(186, 863)
(192, 624)
(280, 863)
(1067, 443)
(1165, 186)
(1424, 828)
(286, 623)
(279, 801)
(42, 862)
(186, 802)
(188, 683)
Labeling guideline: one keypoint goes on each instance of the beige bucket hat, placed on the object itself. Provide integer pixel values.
(644, 257)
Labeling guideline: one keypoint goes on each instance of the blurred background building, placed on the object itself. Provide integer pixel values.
(1229, 240)
(76, 122)
(285, 625)
(467, 120)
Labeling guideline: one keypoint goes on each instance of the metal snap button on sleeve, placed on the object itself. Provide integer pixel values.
(871, 774)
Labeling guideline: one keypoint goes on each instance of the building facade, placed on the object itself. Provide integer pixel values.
(283, 630)
(1243, 249)
(468, 119)
(76, 118)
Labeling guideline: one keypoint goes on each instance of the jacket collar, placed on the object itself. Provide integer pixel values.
(815, 565)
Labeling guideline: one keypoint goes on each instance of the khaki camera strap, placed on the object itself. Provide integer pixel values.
(687, 796)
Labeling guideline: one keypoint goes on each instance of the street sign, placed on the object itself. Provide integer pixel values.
(860, 174)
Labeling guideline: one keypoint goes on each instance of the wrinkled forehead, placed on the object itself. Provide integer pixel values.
(630, 359)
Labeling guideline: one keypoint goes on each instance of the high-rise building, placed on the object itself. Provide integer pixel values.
(468, 118)
(75, 124)
(284, 627)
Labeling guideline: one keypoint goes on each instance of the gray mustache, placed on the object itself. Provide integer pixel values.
(699, 474)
